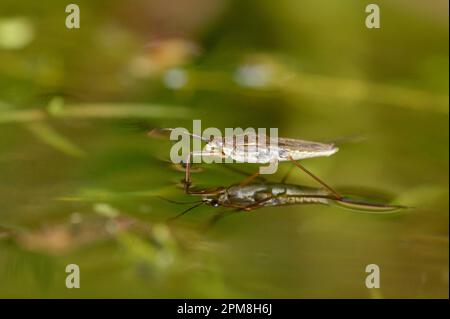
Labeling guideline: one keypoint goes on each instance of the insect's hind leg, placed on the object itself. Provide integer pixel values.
(287, 174)
(317, 179)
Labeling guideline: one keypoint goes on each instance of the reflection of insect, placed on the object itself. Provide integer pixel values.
(249, 197)
(258, 148)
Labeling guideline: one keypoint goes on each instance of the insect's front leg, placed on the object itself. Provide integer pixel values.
(187, 163)
(187, 179)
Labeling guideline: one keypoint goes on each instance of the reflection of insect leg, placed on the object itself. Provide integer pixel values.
(315, 177)
(218, 216)
(242, 172)
(187, 179)
(250, 178)
(287, 174)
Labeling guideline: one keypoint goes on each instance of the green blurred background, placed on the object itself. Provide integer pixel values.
(79, 178)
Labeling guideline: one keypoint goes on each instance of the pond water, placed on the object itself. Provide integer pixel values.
(80, 180)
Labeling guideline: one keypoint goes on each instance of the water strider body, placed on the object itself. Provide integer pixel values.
(258, 195)
(252, 148)
(253, 196)
(250, 197)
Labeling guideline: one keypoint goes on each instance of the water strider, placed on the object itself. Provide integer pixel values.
(247, 196)
(258, 148)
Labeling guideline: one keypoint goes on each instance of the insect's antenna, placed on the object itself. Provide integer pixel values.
(178, 202)
(347, 139)
(163, 131)
(134, 126)
(185, 212)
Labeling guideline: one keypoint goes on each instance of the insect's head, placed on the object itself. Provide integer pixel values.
(212, 201)
(215, 200)
(214, 145)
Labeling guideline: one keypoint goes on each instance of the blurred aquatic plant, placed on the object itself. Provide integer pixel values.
(66, 236)
(97, 194)
(49, 136)
(34, 119)
(161, 55)
(15, 33)
(271, 72)
(96, 111)
(30, 267)
(158, 251)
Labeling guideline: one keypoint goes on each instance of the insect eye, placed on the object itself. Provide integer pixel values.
(215, 203)
(282, 153)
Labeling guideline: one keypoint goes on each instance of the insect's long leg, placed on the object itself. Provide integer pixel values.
(249, 179)
(287, 174)
(335, 193)
(242, 172)
(187, 178)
